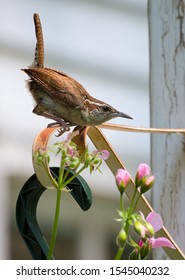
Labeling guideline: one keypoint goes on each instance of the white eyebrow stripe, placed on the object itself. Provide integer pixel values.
(95, 103)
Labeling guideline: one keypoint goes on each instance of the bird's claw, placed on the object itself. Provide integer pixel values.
(63, 127)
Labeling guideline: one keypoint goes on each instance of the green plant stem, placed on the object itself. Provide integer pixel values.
(119, 253)
(66, 173)
(61, 172)
(131, 208)
(121, 203)
(71, 178)
(55, 225)
(134, 207)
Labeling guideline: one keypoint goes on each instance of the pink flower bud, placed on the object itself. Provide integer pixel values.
(147, 184)
(122, 179)
(150, 180)
(142, 172)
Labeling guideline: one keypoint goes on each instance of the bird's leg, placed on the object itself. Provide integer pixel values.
(64, 126)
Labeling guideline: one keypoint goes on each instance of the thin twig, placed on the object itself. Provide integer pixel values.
(120, 127)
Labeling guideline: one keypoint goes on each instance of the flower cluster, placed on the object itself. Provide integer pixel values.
(70, 159)
(145, 228)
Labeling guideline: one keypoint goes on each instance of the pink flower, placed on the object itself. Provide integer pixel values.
(155, 220)
(143, 171)
(104, 154)
(122, 179)
(157, 223)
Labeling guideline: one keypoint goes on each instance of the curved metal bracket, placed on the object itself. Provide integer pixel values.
(27, 205)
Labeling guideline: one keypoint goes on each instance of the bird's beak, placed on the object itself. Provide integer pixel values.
(123, 115)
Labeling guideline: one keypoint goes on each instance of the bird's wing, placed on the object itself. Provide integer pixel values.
(59, 86)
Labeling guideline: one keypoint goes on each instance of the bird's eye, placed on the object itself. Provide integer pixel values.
(106, 108)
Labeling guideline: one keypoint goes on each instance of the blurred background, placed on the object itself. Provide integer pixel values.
(104, 45)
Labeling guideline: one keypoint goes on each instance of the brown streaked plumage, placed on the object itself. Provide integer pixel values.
(62, 98)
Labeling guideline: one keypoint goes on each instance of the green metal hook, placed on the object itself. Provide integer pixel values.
(27, 205)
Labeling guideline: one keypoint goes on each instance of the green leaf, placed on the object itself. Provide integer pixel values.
(120, 213)
(133, 243)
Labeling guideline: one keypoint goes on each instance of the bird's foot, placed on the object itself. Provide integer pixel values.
(63, 127)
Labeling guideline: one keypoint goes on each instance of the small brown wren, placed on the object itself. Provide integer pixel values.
(62, 98)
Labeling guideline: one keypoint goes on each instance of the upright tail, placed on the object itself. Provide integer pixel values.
(39, 49)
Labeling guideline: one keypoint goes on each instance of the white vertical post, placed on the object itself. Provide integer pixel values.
(167, 95)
